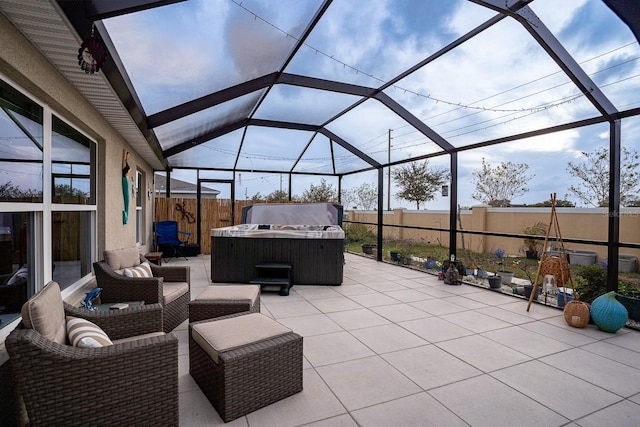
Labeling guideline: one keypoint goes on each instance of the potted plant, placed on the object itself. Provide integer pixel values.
(629, 296)
(530, 244)
(528, 287)
(495, 282)
(506, 275)
(368, 248)
(430, 263)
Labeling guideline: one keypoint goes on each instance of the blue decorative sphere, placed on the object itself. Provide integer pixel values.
(608, 313)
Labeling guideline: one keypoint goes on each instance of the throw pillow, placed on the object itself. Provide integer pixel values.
(143, 270)
(83, 333)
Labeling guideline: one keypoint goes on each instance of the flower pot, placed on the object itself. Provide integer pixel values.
(631, 301)
(583, 257)
(430, 264)
(529, 288)
(506, 277)
(564, 294)
(627, 264)
(469, 272)
(367, 248)
(495, 282)
(395, 256)
(531, 254)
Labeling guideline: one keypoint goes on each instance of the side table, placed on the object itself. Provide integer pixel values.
(155, 257)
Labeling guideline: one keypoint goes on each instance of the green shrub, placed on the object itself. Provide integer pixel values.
(591, 282)
(359, 233)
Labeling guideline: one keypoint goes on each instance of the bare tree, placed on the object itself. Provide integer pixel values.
(594, 174)
(367, 195)
(418, 182)
(320, 193)
(498, 186)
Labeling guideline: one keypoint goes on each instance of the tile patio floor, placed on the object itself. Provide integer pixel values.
(396, 347)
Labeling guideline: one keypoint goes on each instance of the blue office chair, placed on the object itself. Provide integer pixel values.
(168, 241)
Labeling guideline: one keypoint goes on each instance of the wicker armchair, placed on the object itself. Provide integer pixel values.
(132, 382)
(170, 285)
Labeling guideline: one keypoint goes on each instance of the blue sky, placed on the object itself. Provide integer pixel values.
(499, 83)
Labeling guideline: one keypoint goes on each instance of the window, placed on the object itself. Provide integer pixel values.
(16, 258)
(73, 172)
(26, 127)
(73, 161)
(21, 142)
(71, 234)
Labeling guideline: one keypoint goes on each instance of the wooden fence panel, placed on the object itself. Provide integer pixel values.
(215, 213)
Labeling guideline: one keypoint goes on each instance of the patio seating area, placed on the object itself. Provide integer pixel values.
(395, 346)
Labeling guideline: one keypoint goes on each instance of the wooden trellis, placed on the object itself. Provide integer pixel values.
(564, 273)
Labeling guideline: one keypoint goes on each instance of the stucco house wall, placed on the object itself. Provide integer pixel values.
(21, 62)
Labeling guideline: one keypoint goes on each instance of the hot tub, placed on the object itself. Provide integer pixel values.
(315, 252)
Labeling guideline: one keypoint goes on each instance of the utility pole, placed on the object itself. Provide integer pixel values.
(389, 176)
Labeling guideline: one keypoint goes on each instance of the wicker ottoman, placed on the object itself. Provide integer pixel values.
(244, 361)
(220, 300)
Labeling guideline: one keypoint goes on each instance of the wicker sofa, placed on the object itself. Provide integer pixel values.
(170, 285)
(132, 382)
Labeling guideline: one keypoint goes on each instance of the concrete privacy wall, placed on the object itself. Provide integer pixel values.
(574, 223)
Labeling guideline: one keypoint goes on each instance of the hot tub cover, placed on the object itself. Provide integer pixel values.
(282, 231)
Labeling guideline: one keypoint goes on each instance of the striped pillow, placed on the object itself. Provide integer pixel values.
(83, 333)
(142, 270)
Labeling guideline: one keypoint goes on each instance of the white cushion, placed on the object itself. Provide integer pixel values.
(143, 270)
(83, 333)
(122, 258)
(229, 293)
(171, 291)
(44, 313)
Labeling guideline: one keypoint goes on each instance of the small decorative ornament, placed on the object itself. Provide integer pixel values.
(90, 296)
(608, 314)
(576, 314)
(92, 54)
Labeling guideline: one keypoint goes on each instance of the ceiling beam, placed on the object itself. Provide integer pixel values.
(415, 122)
(205, 137)
(211, 100)
(326, 85)
(350, 148)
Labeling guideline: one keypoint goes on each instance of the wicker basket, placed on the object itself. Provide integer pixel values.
(557, 266)
(576, 314)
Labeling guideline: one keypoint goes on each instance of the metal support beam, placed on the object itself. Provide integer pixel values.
(353, 150)
(614, 205)
(211, 100)
(453, 206)
(414, 121)
(204, 138)
(380, 212)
